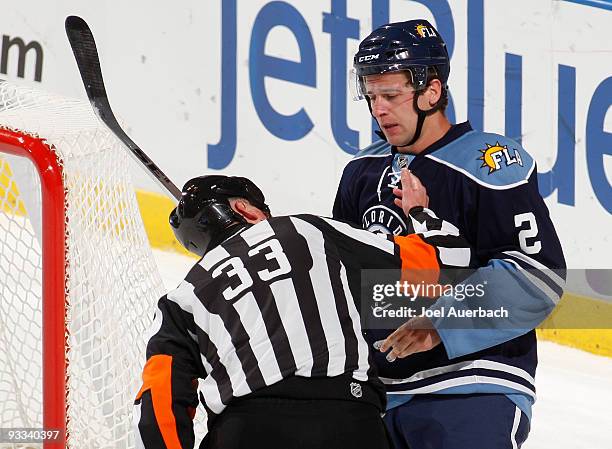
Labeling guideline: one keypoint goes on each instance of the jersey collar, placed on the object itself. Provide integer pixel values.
(453, 133)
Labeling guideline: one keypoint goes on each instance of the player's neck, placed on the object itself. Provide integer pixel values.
(434, 128)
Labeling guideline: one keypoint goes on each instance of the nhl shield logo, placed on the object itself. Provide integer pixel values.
(356, 390)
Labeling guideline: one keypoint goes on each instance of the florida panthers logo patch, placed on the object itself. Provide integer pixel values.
(494, 155)
(425, 31)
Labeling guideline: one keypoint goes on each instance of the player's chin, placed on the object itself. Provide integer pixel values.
(397, 139)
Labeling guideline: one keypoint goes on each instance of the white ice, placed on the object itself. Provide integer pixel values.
(574, 406)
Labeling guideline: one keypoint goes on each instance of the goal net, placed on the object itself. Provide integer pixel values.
(78, 281)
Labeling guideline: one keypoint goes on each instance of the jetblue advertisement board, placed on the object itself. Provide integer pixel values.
(260, 89)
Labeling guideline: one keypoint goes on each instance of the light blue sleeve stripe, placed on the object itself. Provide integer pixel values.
(506, 288)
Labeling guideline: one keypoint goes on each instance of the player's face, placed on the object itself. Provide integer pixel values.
(391, 97)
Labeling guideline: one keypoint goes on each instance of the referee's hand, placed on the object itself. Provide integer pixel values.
(412, 193)
(415, 335)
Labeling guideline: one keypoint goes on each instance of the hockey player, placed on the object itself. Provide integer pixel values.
(268, 318)
(453, 384)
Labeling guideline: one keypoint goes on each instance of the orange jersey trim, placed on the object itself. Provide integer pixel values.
(157, 377)
(419, 260)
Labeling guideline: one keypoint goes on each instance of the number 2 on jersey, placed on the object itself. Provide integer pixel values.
(530, 232)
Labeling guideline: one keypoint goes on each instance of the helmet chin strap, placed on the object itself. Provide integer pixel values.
(421, 116)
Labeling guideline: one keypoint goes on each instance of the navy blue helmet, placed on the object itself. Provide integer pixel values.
(204, 215)
(412, 46)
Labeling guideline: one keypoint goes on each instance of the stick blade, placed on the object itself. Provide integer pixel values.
(86, 54)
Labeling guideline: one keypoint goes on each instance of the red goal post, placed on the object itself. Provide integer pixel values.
(53, 272)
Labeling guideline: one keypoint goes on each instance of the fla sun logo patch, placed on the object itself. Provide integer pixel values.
(425, 31)
(493, 156)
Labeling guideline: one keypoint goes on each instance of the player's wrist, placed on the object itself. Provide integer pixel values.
(415, 210)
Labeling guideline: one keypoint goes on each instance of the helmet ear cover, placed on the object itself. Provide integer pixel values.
(206, 229)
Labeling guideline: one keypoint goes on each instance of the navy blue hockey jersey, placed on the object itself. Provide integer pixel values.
(486, 185)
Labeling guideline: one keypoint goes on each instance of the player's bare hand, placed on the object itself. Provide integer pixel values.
(412, 193)
(415, 335)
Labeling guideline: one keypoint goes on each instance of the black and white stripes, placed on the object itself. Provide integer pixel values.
(274, 301)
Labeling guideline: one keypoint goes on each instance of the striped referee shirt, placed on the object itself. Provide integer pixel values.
(276, 300)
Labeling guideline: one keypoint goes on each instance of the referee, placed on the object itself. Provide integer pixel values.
(268, 318)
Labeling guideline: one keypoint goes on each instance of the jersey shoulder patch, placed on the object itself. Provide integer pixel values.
(491, 160)
(380, 148)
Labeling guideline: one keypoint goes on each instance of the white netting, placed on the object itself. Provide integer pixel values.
(113, 282)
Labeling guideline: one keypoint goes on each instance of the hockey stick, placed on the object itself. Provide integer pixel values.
(86, 55)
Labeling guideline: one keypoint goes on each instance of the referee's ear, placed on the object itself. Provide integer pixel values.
(249, 212)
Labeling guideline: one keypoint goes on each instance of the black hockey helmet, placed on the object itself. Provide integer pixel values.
(203, 215)
(414, 47)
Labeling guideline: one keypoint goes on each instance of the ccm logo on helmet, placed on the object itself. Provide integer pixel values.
(368, 57)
